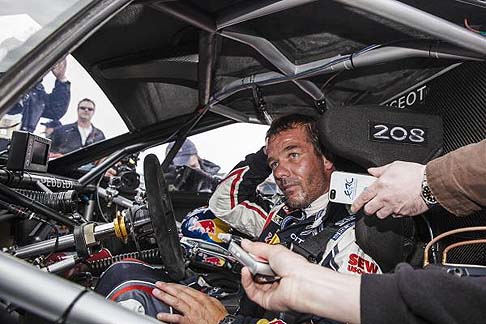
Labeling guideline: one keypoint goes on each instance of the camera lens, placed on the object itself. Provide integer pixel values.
(332, 194)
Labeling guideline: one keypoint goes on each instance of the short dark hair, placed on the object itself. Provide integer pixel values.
(292, 121)
(88, 100)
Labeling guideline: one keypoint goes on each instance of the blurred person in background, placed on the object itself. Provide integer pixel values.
(37, 103)
(81, 133)
(189, 172)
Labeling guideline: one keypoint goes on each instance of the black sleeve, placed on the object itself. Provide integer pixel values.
(101, 136)
(16, 109)
(422, 296)
(56, 139)
(57, 102)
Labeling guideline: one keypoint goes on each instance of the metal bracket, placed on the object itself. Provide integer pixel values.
(321, 106)
(260, 105)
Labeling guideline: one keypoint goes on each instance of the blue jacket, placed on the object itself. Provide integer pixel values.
(37, 103)
(67, 138)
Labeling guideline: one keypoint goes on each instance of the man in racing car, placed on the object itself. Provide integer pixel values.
(322, 231)
(189, 172)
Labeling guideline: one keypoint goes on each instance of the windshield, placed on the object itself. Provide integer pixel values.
(66, 101)
(25, 24)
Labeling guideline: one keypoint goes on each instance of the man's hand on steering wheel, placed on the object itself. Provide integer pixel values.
(195, 307)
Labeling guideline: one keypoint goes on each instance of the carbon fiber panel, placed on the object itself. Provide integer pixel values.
(459, 96)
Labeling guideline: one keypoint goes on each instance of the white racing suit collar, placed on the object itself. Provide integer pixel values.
(317, 205)
(318, 208)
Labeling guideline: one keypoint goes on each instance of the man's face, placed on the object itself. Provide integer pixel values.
(85, 111)
(299, 171)
(194, 162)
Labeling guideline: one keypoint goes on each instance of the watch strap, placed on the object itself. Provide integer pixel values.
(228, 319)
(426, 192)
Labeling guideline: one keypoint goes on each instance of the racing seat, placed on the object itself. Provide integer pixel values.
(371, 135)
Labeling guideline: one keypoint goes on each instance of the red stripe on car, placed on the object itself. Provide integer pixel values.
(130, 288)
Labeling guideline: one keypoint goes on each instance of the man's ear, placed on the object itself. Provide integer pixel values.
(328, 165)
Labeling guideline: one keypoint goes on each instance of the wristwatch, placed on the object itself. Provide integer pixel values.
(427, 194)
(228, 319)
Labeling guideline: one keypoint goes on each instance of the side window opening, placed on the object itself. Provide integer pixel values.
(83, 86)
(214, 152)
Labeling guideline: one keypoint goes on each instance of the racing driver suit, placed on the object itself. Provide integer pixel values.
(328, 226)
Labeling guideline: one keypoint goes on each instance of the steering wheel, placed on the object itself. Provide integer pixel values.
(163, 218)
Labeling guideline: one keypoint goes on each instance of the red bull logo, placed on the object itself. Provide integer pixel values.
(218, 262)
(208, 226)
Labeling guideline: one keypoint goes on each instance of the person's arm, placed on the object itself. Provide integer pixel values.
(194, 307)
(304, 287)
(458, 179)
(406, 296)
(57, 102)
(235, 200)
(59, 70)
(16, 109)
(396, 191)
(19, 106)
(422, 296)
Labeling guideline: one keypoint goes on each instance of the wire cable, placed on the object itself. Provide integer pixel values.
(448, 233)
(102, 214)
(21, 212)
(330, 79)
(56, 243)
(466, 24)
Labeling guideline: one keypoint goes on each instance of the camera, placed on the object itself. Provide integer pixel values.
(332, 194)
(127, 179)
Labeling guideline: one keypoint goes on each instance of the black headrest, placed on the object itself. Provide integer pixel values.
(373, 135)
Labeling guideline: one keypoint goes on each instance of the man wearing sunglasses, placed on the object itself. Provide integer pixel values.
(81, 133)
